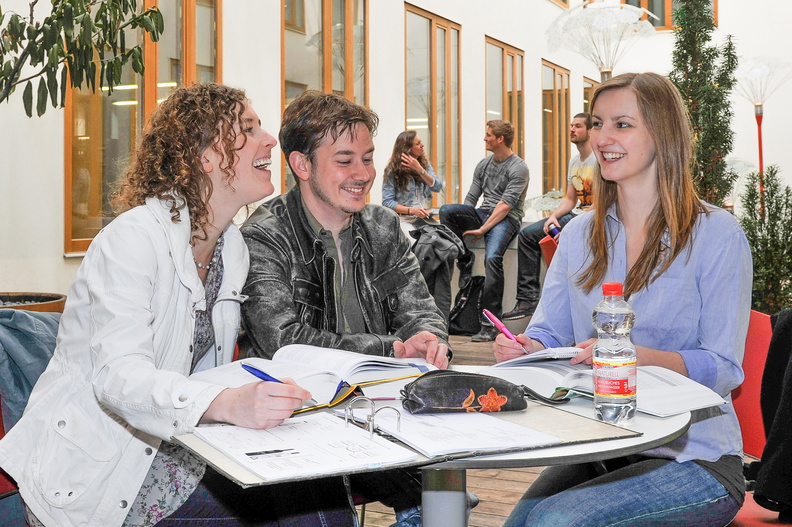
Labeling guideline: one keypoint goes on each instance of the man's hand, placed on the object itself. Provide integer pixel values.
(426, 345)
(552, 220)
(475, 233)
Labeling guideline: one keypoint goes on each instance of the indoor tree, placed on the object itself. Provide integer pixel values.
(79, 43)
(770, 238)
(704, 74)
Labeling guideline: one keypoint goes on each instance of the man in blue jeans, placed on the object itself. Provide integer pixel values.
(577, 199)
(502, 180)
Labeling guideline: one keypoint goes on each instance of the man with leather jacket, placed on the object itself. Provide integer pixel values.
(328, 269)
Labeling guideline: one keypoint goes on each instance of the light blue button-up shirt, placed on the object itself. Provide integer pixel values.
(412, 196)
(699, 307)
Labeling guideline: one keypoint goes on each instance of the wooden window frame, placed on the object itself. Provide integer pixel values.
(668, 13)
(561, 152)
(594, 85)
(78, 246)
(561, 3)
(327, 58)
(514, 108)
(435, 22)
(295, 21)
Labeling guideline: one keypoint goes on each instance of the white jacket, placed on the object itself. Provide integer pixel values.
(117, 383)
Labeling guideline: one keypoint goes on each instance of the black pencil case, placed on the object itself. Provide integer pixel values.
(441, 391)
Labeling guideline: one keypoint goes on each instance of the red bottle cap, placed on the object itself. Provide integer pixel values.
(612, 289)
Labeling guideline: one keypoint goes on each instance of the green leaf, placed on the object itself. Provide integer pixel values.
(63, 81)
(41, 100)
(52, 86)
(27, 99)
(68, 21)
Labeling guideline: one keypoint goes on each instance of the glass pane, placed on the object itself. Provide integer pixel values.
(658, 8)
(519, 124)
(548, 108)
(508, 106)
(302, 57)
(454, 181)
(494, 82)
(588, 91)
(419, 103)
(442, 105)
(169, 50)
(205, 41)
(103, 136)
(339, 47)
(360, 52)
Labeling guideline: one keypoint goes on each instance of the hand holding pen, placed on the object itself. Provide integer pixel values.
(500, 326)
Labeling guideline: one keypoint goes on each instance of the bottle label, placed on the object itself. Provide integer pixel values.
(614, 380)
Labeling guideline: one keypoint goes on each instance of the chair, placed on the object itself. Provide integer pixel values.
(548, 246)
(746, 400)
(27, 341)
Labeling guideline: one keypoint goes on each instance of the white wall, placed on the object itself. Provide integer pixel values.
(31, 150)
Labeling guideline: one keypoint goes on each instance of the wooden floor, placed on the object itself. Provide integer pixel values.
(498, 489)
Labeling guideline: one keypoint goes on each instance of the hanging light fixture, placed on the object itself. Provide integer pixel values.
(601, 31)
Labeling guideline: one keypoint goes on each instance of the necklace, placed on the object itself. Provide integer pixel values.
(208, 266)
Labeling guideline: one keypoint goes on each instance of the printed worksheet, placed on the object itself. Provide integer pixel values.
(310, 444)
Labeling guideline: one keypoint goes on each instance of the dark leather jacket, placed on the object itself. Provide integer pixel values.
(290, 284)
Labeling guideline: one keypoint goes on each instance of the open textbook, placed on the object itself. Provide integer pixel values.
(330, 375)
(661, 392)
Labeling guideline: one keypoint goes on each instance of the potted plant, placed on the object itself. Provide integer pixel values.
(50, 302)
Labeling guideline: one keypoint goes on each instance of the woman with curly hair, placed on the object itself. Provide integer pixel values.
(409, 178)
(157, 297)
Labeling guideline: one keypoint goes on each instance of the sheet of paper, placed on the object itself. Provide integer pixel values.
(311, 444)
(438, 434)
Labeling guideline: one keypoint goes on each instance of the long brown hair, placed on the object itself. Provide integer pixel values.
(402, 174)
(677, 206)
(167, 161)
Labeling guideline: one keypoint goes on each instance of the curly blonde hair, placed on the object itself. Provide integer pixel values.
(167, 162)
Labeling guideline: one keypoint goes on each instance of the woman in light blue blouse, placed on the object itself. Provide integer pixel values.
(409, 178)
(686, 269)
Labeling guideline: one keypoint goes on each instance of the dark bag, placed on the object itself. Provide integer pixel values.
(442, 391)
(464, 318)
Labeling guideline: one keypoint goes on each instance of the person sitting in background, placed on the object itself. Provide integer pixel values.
(329, 270)
(156, 298)
(502, 181)
(686, 269)
(409, 179)
(407, 188)
(577, 199)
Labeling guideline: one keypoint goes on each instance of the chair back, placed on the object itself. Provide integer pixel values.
(746, 397)
(548, 246)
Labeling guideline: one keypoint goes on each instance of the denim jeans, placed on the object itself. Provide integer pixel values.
(652, 492)
(461, 218)
(529, 258)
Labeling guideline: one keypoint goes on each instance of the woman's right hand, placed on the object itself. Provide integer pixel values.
(420, 212)
(257, 404)
(505, 348)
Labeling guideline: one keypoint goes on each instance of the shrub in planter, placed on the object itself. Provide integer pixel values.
(769, 234)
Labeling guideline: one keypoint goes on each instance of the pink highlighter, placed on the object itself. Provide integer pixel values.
(500, 326)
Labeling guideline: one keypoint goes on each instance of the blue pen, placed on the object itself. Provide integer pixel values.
(269, 378)
(260, 374)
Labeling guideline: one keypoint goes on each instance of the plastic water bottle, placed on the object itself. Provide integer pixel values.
(614, 358)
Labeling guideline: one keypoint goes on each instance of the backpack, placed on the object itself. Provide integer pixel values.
(464, 317)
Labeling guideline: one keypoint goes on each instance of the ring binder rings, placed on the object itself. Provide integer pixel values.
(369, 424)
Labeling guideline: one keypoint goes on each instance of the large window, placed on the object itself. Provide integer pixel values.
(505, 88)
(324, 48)
(432, 93)
(589, 86)
(555, 124)
(101, 131)
(664, 11)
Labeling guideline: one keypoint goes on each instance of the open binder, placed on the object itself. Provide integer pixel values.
(228, 448)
